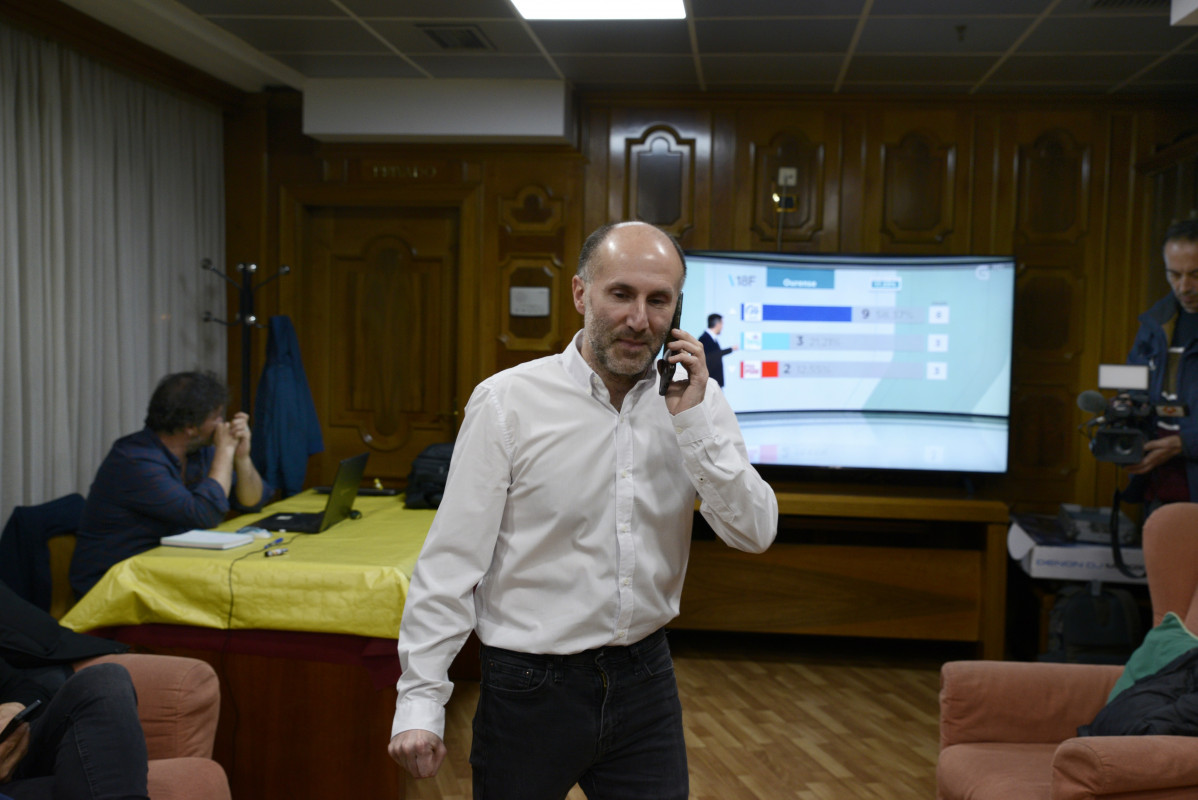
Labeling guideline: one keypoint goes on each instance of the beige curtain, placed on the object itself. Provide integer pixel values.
(111, 195)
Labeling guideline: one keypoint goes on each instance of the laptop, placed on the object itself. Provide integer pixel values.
(338, 507)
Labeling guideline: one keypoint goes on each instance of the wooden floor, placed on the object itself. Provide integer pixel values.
(770, 717)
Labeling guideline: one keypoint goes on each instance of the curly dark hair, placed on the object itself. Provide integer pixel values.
(183, 399)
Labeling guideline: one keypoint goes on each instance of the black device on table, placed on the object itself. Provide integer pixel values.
(27, 713)
(339, 505)
(365, 491)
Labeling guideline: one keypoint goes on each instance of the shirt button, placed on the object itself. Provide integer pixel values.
(621, 634)
(626, 581)
(677, 430)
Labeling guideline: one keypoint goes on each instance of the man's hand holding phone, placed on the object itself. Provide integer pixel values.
(684, 349)
(14, 739)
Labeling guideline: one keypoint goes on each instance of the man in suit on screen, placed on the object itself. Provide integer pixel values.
(711, 347)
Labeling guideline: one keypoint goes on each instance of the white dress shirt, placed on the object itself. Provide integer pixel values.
(566, 524)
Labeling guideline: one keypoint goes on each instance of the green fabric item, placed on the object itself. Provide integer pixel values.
(1163, 643)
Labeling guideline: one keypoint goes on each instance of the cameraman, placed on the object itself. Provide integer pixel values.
(1167, 343)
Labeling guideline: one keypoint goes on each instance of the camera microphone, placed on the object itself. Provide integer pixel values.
(1092, 402)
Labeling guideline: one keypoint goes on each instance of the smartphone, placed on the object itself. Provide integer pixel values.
(664, 367)
(28, 712)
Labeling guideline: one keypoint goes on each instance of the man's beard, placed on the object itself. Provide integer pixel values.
(198, 443)
(603, 337)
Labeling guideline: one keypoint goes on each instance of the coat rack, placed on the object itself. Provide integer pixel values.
(245, 316)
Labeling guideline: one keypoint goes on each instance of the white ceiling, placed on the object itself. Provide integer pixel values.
(960, 47)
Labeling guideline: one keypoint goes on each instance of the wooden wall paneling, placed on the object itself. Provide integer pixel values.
(808, 139)
(831, 590)
(1172, 168)
(923, 192)
(1054, 187)
(660, 171)
(992, 182)
(527, 331)
(725, 144)
(856, 185)
(533, 229)
(786, 215)
(802, 137)
(1113, 320)
(246, 203)
(263, 146)
(1053, 301)
(660, 186)
(1043, 448)
(1049, 339)
(531, 220)
(383, 292)
(833, 128)
(596, 138)
(918, 174)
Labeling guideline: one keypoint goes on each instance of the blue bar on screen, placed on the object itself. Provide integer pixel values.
(807, 313)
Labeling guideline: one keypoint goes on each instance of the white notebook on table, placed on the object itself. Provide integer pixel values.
(208, 540)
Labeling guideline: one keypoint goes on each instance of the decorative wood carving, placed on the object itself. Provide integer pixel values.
(380, 297)
(533, 219)
(410, 171)
(918, 174)
(533, 210)
(1054, 189)
(531, 333)
(794, 150)
(1046, 315)
(661, 179)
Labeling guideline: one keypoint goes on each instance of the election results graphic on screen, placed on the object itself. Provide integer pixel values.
(863, 361)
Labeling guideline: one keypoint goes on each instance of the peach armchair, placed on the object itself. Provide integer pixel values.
(178, 702)
(1009, 730)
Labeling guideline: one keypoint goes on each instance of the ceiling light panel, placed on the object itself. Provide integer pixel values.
(600, 9)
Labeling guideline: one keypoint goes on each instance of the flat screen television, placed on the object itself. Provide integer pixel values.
(863, 362)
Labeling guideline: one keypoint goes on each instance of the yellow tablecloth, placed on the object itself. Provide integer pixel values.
(350, 579)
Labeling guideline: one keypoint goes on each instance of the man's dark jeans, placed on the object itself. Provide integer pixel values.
(87, 744)
(608, 719)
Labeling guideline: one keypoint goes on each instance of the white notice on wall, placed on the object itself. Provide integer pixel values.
(529, 301)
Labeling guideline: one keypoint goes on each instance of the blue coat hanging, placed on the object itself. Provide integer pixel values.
(286, 428)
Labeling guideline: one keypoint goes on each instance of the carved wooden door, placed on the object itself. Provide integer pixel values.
(373, 302)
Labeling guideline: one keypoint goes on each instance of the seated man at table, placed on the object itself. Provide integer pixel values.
(181, 472)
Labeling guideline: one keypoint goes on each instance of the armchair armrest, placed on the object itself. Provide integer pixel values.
(1021, 702)
(1094, 766)
(178, 702)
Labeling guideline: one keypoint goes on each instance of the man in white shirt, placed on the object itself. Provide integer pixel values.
(563, 537)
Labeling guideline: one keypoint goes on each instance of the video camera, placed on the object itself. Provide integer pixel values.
(1122, 425)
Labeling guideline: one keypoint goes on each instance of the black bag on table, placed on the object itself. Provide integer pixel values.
(426, 481)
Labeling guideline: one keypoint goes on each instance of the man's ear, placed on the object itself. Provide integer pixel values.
(578, 287)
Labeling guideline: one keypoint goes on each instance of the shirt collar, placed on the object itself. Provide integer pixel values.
(151, 438)
(588, 380)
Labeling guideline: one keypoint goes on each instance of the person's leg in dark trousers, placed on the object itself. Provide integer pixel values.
(609, 720)
(89, 740)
